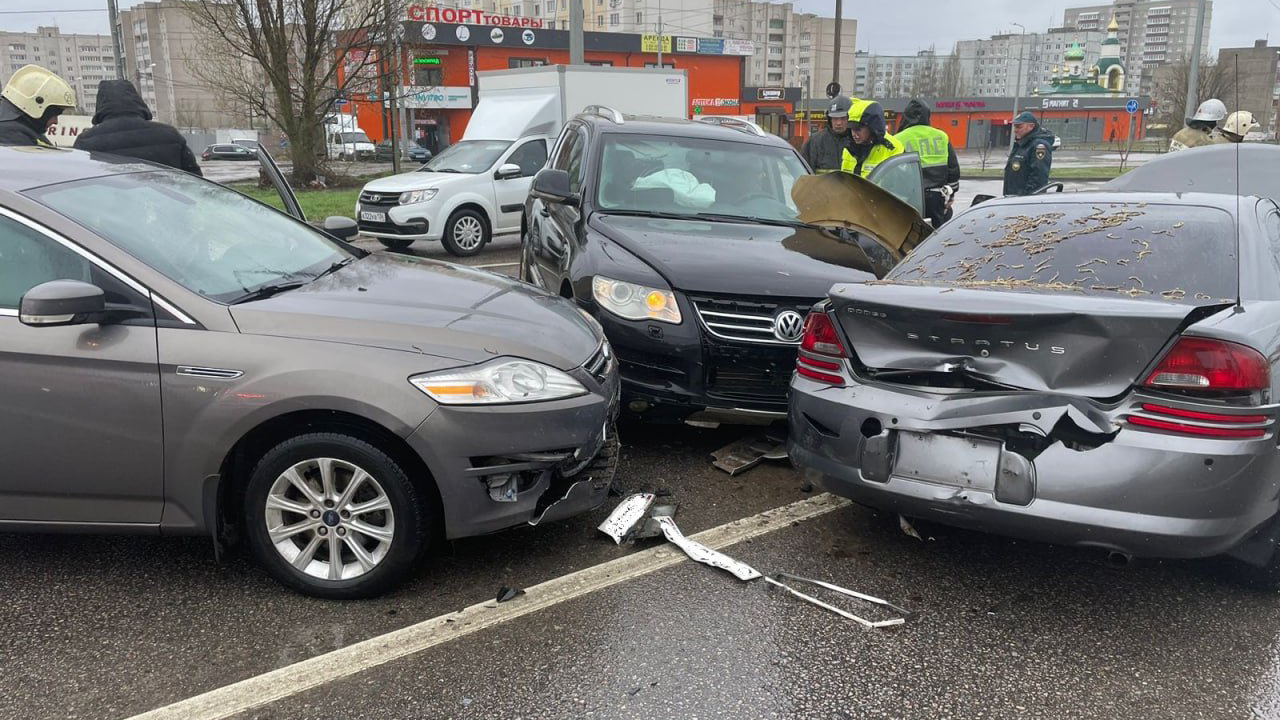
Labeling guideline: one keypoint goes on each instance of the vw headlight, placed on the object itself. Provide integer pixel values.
(635, 302)
(499, 381)
(417, 196)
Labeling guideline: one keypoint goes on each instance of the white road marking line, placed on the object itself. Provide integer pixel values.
(292, 679)
(497, 265)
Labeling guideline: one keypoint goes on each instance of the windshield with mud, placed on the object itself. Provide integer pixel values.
(1163, 252)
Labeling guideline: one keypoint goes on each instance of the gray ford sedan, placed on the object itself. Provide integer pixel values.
(176, 358)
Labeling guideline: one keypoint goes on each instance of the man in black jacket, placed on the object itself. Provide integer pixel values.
(824, 149)
(1031, 158)
(123, 126)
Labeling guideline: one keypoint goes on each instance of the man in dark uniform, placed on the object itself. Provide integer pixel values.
(123, 126)
(1031, 157)
(30, 104)
(824, 149)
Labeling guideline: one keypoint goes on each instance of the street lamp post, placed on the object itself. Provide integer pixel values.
(1017, 82)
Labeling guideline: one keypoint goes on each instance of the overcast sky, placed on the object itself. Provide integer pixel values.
(898, 28)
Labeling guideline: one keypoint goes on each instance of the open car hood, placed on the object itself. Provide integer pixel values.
(840, 200)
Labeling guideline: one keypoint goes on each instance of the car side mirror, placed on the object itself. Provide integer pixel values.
(62, 302)
(552, 185)
(508, 171)
(340, 227)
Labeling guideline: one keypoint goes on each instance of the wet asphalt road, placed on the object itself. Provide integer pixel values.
(106, 627)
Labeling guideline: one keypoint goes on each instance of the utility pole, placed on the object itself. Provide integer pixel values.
(835, 63)
(659, 33)
(117, 46)
(392, 56)
(1193, 82)
(576, 19)
(1017, 83)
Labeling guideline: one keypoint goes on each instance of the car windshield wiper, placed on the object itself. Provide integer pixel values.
(266, 291)
(335, 267)
(447, 170)
(725, 217)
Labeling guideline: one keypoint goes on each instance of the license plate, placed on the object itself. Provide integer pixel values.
(948, 460)
(373, 216)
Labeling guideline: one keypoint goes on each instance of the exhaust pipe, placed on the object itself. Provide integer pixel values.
(1118, 559)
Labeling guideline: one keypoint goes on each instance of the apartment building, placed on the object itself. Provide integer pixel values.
(1152, 33)
(885, 76)
(1258, 81)
(989, 67)
(795, 49)
(81, 60)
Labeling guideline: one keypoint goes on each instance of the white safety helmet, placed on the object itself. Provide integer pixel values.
(34, 90)
(1211, 110)
(1239, 123)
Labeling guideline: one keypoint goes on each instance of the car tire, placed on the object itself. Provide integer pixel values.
(466, 233)
(385, 516)
(397, 244)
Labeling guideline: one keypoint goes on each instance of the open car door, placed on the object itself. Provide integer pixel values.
(342, 228)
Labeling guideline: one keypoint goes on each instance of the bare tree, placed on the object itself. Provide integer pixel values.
(924, 83)
(1170, 89)
(290, 61)
(950, 80)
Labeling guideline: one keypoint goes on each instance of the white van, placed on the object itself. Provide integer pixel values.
(476, 188)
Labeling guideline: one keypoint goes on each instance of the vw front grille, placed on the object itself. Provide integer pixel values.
(771, 322)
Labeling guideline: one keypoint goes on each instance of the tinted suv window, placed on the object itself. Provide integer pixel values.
(569, 156)
(1178, 253)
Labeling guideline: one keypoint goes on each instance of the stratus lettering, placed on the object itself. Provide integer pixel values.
(1008, 344)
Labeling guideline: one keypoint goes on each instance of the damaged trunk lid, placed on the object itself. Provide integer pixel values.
(1076, 298)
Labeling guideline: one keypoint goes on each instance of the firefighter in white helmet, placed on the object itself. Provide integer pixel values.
(1237, 125)
(1200, 127)
(30, 103)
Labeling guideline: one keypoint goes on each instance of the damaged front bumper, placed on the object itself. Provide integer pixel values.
(503, 466)
(1035, 465)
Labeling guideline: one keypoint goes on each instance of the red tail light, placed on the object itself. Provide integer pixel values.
(821, 339)
(1211, 365)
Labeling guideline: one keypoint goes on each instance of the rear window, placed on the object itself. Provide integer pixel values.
(1176, 253)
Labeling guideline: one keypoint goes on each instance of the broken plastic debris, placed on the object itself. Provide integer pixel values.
(908, 528)
(505, 593)
(703, 554)
(627, 516)
(741, 455)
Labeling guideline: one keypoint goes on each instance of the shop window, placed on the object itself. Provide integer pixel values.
(526, 62)
(428, 76)
(600, 63)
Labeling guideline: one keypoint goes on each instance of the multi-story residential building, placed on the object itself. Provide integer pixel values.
(884, 76)
(989, 68)
(1257, 71)
(1152, 33)
(81, 60)
(796, 49)
(161, 46)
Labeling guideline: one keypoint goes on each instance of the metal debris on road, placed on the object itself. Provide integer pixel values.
(505, 593)
(777, 578)
(908, 528)
(741, 455)
(705, 555)
(626, 517)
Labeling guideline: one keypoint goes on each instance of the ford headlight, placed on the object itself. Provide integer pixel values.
(500, 381)
(635, 302)
(417, 196)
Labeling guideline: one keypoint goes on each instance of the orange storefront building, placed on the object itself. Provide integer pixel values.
(439, 89)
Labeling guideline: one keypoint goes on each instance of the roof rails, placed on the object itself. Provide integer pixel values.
(604, 111)
(745, 126)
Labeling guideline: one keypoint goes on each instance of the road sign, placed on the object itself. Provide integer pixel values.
(833, 89)
(1132, 106)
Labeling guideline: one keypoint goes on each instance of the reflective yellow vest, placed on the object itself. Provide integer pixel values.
(929, 143)
(879, 153)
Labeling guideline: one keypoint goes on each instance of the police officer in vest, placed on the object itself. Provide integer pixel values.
(872, 143)
(822, 150)
(1031, 158)
(938, 160)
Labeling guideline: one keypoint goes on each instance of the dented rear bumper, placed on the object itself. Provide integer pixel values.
(1039, 466)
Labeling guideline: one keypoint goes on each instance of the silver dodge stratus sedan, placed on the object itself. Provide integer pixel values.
(176, 358)
(1090, 369)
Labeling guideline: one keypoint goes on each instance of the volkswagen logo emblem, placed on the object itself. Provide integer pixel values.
(788, 326)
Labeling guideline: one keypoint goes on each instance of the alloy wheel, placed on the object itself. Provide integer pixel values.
(330, 519)
(468, 232)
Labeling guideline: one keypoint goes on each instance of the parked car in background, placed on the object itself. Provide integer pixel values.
(227, 151)
(249, 143)
(683, 239)
(417, 153)
(1094, 369)
(338, 410)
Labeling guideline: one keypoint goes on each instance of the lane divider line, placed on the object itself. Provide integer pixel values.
(344, 662)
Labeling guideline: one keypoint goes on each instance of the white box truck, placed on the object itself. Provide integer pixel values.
(476, 189)
(68, 128)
